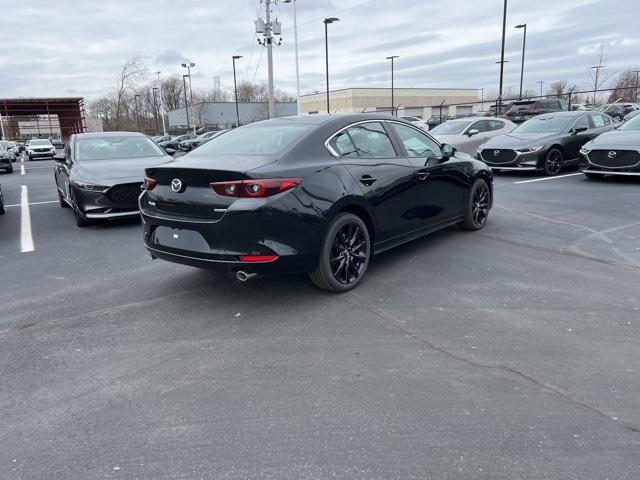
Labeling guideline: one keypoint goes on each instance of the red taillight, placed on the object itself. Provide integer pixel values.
(263, 187)
(257, 258)
(149, 183)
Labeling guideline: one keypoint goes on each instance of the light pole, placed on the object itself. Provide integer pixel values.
(541, 82)
(155, 107)
(295, 40)
(499, 100)
(188, 67)
(524, 42)
(392, 57)
(235, 87)
(636, 95)
(504, 28)
(135, 99)
(186, 105)
(164, 128)
(595, 88)
(327, 21)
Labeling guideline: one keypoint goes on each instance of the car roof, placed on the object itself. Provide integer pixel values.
(333, 119)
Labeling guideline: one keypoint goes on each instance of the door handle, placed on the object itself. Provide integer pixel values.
(423, 174)
(367, 180)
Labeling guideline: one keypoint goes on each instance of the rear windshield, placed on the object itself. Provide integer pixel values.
(255, 140)
(40, 143)
(450, 128)
(114, 148)
(544, 125)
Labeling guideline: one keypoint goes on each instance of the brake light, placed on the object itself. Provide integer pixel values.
(149, 183)
(257, 258)
(259, 188)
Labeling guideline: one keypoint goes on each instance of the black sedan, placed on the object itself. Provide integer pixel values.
(194, 143)
(99, 175)
(174, 143)
(316, 193)
(545, 143)
(614, 153)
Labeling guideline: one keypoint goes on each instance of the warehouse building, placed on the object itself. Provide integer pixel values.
(223, 114)
(418, 102)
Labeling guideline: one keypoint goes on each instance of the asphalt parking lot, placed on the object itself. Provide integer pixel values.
(509, 353)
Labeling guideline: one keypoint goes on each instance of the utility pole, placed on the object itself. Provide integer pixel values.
(135, 99)
(504, 29)
(541, 82)
(524, 42)
(1, 128)
(269, 40)
(636, 95)
(392, 57)
(595, 87)
(186, 105)
(164, 128)
(235, 87)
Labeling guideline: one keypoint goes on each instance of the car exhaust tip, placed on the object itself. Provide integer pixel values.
(244, 276)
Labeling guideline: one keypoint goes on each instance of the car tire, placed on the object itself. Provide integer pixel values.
(594, 176)
(10, 169)
(30, 158)
(63, 203)
(553, 162)
(346, 246)
(478, 206)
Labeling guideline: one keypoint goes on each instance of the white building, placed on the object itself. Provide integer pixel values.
(419, 102)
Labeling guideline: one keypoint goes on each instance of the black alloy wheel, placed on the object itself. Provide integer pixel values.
(553, 162)
(344, 255)
(479, 205)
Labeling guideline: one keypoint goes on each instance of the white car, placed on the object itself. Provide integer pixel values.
(418, 122)
(40, 148)
(467, 134)
(11, 149)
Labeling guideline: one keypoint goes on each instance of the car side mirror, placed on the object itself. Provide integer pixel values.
(579, 130)
(473, 131)
(170, 151)
(448, 151)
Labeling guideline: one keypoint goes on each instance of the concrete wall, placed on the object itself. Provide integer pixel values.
(418, 101)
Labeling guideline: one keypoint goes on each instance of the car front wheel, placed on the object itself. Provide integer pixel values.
(344, 255)
(478, 207)
(553, 162)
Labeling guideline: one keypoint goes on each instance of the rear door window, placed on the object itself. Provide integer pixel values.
(343, 146)
(598, 120)
(371, 140)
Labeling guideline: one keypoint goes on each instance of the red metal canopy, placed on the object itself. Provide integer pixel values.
(70, 112)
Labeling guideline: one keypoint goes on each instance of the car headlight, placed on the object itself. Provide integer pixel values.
(530, 149)
(92, 187)
(584, 150)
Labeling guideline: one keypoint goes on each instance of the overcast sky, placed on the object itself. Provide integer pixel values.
(76, 47)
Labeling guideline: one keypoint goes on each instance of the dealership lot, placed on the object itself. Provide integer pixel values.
(508, 353)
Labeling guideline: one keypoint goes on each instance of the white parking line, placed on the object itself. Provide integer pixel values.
(21, 168)
(33, 203)
(26, 236)
(550, 178)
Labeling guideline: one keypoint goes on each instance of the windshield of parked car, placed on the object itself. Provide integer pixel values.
(632, 124)
(542, 124)
(255, 140)
(452, 127)
(114, 148)
(40, 143)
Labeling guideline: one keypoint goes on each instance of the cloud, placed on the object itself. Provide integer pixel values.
(170, 57)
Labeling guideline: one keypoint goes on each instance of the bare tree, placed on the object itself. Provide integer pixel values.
(132, 71)
(171, 91)
(624, 87)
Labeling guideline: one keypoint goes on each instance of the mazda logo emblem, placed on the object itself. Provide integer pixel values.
(176, 185)
(496, 153)
(612, 154)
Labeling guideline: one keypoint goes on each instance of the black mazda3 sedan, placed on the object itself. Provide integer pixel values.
(545, 143)
(99, 175)
(614, 153)
(316, 193)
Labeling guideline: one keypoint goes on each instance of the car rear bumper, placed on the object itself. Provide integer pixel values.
(5, 162)
(218, 243)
